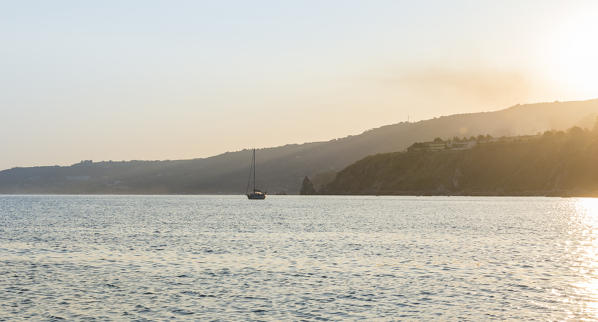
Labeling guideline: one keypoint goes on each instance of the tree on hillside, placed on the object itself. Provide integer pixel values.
(576, 131)
(416, 147)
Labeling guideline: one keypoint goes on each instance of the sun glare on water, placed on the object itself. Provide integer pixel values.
(584, 253)
(588, 210)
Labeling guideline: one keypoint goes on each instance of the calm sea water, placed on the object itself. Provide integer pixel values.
(293, 258)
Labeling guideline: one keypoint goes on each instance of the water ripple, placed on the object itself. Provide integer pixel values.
(292, 258)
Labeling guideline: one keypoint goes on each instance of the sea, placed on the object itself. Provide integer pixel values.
(298, 258)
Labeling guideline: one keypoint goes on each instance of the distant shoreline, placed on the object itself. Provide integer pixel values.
(282, 168)
(302, 196)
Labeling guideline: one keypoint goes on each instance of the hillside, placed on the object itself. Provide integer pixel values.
(282, 169)
(553, 164)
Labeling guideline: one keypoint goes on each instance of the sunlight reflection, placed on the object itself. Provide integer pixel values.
(584, 249)
(587, 210)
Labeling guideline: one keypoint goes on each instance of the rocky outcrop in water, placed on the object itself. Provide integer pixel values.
(307, 188)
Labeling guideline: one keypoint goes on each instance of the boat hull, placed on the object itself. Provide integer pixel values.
(256, 196)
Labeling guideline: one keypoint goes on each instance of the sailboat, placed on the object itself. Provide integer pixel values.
(255, 194)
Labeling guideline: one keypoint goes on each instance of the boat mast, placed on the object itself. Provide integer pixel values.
(251, 171)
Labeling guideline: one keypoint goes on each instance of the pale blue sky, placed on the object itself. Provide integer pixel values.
(128, 80)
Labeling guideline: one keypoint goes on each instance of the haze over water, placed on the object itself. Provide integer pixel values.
(288, 257)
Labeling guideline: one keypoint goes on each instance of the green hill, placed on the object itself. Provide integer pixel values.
(553, 164)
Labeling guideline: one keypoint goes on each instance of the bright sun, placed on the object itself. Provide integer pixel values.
(573, 54)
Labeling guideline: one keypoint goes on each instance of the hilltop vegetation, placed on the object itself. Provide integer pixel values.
(556, 163)
(282, 169)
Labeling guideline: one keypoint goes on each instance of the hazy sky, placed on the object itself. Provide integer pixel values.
(121, 80)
